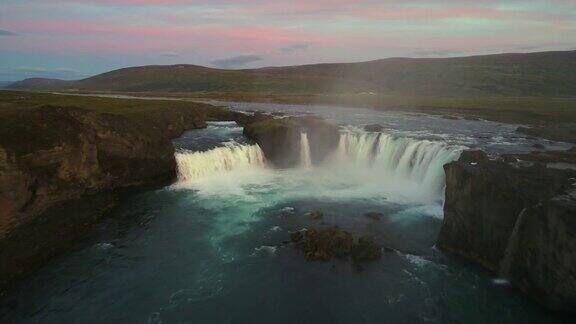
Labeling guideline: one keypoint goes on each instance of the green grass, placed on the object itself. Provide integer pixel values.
(19, 101)
(550, 113)
(530, 74)
(24, 128)
(515, 110)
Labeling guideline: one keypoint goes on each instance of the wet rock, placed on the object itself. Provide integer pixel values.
(516, 219)
(475, 156)
(296, 237)
(325, 244)
(374, 215)
(328, 243)
(365, 250)
(538, 146)
(315, 215)
(373, 128)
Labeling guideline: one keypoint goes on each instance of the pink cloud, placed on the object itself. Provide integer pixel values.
(132, 2)
(110, 37)
(261, 29)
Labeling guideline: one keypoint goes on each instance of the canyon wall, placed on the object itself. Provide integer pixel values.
(61, 169)
(516, 216)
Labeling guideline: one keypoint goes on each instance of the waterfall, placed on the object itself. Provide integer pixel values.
(513, 245)
(371, 159)
(305, 160)
(420, 161)
(194, 165)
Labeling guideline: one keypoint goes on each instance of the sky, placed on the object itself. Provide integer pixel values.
(74, 39)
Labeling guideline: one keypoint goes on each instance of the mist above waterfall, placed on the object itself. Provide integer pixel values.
(392, 158)
(365, 165)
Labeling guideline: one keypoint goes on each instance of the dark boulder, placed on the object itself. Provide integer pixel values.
(365, 250)
(374, 215)
(328, 243)
(325, 244)
(297, 237)
(373, 128)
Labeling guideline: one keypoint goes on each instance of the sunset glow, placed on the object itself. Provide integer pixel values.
(74, 39)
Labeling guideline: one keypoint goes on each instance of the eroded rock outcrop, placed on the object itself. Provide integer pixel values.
(281, 139)
(516, 215)
(374, 128)
(60, 169)
(327, 243)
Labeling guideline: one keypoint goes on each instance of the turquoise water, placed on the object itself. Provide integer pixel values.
(214, 249)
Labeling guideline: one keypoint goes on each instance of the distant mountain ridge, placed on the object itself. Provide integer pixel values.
(513, 74)
(38, 83)
(4, 84)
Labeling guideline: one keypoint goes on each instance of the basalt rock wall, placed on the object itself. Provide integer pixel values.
(516, 215)
(61, 169)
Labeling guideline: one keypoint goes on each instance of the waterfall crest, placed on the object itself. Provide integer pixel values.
(420, 161)
(376, 159)
(194, 165)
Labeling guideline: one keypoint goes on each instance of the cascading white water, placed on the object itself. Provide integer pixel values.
(194, 165)
(420, 161)
(376, 162)
(305, 159)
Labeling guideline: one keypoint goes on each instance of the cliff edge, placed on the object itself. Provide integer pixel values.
(62, 167)
(516, 215)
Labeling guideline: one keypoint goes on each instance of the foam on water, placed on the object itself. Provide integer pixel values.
(234, 183)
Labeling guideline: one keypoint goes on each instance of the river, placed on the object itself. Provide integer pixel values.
(212, 247)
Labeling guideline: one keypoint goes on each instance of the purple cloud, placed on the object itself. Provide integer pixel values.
(236, 61)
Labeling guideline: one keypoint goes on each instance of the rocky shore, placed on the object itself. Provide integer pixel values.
(61, 169)
(515, 215)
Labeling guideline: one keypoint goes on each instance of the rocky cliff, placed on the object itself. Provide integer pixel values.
(516, 216)
(281, 138)
(61, 169)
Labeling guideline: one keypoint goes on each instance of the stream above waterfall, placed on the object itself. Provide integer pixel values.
(212, 247)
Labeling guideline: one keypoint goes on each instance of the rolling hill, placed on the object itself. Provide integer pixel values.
(4, 84)
(527, 74)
